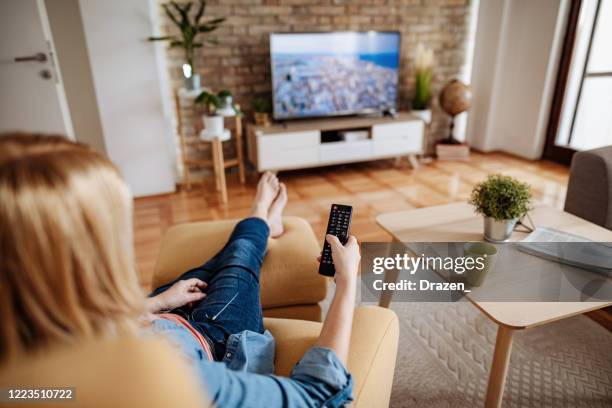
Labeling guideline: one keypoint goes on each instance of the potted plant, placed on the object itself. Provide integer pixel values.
(216, 107)
(502, 200)
(190, 32)
(422, 86)
(261, 110)
(226, 104)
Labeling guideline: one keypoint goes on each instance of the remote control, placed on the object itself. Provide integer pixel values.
(338, 225)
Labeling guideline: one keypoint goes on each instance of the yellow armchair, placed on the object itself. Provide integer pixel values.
(291, 296)
(139, 372)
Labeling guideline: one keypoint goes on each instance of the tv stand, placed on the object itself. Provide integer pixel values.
(300, 144)
(377, 114)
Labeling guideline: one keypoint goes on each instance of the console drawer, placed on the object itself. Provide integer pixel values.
(288, 150)
(272, 159)
(290, 140)
(397, 131)
(398, 147)
(345, 151)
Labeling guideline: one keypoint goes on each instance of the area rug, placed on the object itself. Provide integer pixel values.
(445, 352)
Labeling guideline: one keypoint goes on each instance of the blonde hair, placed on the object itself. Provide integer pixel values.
(66, 256)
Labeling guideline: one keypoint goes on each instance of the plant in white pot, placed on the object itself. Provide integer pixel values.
(216, 107)
(193, 32)
(261, 110)
(502, 200)
(422, 85)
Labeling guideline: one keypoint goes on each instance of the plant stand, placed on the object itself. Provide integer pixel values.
(217, 163)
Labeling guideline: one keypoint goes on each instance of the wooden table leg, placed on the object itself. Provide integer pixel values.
(499, 367)
(215, 160)
(218, 146)
(239, 149)
(391, 275)
(179, 129)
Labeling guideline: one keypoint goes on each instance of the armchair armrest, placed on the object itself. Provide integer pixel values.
(289, 272)
(372, 352)
(589, 190)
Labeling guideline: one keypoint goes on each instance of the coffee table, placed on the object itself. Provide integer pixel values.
(457, 222)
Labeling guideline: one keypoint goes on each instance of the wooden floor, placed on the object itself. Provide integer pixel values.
(371, 188)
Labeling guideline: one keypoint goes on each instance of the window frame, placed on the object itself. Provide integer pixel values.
(552, 151)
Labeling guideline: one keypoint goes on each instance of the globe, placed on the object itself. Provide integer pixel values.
(455, 97)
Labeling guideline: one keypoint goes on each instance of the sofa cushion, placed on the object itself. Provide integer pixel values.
(289, 272)
(372, 353)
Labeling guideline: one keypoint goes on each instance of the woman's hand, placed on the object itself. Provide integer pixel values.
(346, 259)
(177, 295)
(336, 331)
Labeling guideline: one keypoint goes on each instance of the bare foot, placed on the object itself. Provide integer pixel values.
(267, 190)
(275, 214)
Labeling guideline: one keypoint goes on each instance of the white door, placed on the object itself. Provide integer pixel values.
(31, 93)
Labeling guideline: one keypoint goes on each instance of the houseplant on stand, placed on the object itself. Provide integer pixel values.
(217, 107)
(502, 200)
(422, 86)
(261, 110)
(191, 30)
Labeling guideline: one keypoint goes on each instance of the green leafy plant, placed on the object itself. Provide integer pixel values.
(501, 198)
(191, 29)
(423, 78)
(261, 104)
(212, 102)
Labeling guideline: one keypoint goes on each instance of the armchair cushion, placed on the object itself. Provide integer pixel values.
(147, 372)
(288, 275)
(123, 373)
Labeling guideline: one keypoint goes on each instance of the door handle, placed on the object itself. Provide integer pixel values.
(40, 57)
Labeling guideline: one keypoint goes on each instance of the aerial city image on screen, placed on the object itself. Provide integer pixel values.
(325, 74)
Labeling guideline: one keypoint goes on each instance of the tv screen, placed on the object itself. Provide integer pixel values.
(339, 73)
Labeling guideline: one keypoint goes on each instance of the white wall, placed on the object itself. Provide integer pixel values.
(137, 135)
(64, 19)
(518, 45)
(465, 76)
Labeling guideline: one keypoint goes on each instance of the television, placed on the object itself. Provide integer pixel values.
(335, 73)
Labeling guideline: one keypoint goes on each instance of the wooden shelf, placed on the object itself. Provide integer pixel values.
(341, 123)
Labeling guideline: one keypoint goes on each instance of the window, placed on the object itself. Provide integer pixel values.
(582, 110)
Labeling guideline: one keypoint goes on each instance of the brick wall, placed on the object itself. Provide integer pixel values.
(241, 61)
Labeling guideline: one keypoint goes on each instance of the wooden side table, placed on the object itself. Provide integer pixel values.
(457, 222)
(218, 163)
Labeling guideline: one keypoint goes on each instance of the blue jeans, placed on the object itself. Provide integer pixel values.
(232, 276)
(242, 375)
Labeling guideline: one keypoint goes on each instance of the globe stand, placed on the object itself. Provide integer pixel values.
(450, 139)
(455, 98)
(450, 148)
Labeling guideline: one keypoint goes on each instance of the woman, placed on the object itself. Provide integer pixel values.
(66, 266)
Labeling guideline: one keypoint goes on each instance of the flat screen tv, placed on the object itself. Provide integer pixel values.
(331, 74)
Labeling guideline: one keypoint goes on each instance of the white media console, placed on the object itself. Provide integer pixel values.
(312, 143)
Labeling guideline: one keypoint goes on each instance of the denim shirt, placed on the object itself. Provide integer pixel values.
(244, 378)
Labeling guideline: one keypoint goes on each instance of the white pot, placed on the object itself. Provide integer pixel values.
(213, 125)
(193, 82)
(423, 114)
